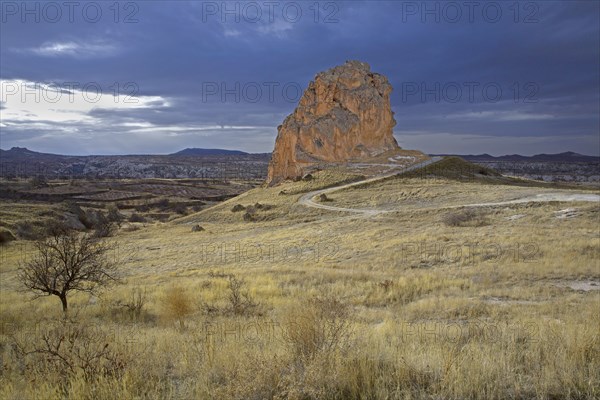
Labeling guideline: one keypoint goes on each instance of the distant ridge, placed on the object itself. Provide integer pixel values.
(208, 152)
(567, 156)
(24, 153)
(20, 162)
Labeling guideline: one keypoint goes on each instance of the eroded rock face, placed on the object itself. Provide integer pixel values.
(344, 115)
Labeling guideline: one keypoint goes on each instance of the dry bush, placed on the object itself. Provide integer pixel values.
(70, 348)
(28, 230)
(142, 208)
(240, 301)
(468, 217)
(113, 215)
(386, 285)
(6, 236)
(321, 325)
(38, 181)
(177, 305)
(197, 228)
(134, 305)
(180, 208)
(162, 204)
(104, 226)
(237, 208)
(264, 207)
(323, 198)
(136, 218)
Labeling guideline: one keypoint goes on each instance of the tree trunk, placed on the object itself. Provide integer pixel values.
(63, 300)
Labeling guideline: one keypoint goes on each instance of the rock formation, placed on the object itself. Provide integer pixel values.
(344, 115)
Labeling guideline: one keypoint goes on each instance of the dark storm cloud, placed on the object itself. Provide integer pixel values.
(207, 80)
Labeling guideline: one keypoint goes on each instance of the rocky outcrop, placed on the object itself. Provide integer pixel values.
(344, 115)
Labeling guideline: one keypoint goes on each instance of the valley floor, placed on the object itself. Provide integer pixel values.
(429, 299)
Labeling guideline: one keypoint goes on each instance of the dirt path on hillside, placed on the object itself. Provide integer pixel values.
(307, 199)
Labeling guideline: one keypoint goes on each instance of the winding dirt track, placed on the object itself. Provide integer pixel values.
(307, 199)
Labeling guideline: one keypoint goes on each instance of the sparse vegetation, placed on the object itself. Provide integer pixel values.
(238, 208)
(466, 217)
(135, 304)
(313, 304)
(250, 214)
(177, 305)
(113, 215)
(240, 301)
(38, 181)
(134, 217)
(6, 236)
(323, 198)
(104, 226)
(70, 348)
(319, 326)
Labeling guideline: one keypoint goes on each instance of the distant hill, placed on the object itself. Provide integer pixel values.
(189, 163)
(565, 157)
(455, 168)
(24, 153)
(208, 152)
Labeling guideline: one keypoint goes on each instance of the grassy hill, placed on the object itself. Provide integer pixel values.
(429, 300)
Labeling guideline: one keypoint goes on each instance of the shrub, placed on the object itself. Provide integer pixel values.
(240, 301)
(28, 231)
(180, 208)
(323, 197)
(162, 204)
(114, 215)
(237, 208)
(249, 215)
(319, 326)
(177, 305)
(197, 228)
(386, 285)
(104, 226)
(134, 304)
(38, 181)
(142, 208)
(6, 236)
(70, 348)
(136, 218)
(467, 217)
(264, 207)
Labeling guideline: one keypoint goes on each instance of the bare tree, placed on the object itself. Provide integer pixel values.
(68, 261)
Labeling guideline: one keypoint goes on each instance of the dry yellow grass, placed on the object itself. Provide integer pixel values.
(432, 311)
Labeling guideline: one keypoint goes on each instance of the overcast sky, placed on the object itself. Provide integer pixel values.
(154, 77)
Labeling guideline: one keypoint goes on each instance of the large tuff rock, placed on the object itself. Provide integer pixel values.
(344, 115)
